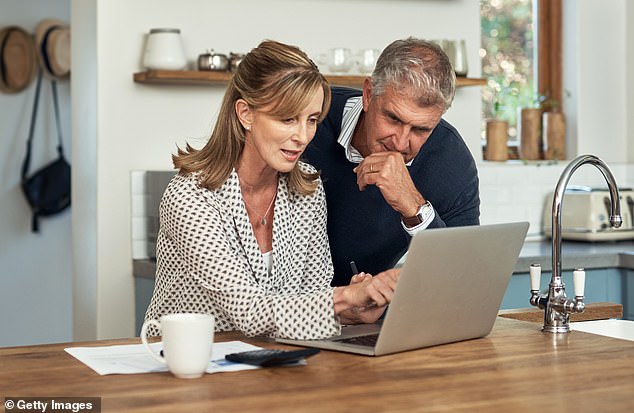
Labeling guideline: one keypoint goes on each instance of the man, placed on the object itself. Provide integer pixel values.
(390, 165)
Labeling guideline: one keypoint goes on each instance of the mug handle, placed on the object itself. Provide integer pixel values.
(144, 339)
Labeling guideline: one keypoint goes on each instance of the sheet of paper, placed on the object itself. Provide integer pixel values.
(134, 358)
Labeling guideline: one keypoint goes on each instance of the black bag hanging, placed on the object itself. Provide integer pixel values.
(48, 189)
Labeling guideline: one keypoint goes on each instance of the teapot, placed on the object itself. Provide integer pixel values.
(213, 61)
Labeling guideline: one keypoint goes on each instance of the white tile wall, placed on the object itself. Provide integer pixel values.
(138, 215)
(517, 191)
(509, 191)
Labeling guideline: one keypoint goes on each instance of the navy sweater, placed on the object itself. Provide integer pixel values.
(362, 227)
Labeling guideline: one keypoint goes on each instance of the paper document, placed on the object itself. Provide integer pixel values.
(134, 358)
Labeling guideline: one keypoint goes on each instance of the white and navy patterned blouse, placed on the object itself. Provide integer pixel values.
(208, 261)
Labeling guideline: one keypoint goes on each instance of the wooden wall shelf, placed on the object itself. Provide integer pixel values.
(210, 78)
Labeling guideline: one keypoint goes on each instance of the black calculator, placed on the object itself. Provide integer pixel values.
(271, 357)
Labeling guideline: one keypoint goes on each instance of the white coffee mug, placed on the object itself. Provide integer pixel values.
(187, 342)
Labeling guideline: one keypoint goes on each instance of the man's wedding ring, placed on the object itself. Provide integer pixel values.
(371, 168)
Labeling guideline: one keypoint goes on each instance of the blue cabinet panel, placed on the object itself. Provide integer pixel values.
(144, 287)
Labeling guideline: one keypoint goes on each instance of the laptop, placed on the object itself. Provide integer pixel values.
(450, 289)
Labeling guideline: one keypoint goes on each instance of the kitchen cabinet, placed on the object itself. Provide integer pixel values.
(607, 285)
(609, 275)
(602, 285)
(211, 78)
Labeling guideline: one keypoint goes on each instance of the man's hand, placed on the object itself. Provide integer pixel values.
(388, 172)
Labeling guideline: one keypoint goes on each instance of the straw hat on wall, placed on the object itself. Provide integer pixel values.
(52, 40)
(18, 61)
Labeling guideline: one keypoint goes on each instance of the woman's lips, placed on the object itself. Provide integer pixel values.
(291, 156)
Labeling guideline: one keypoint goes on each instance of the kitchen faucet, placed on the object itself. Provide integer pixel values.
(557, 307)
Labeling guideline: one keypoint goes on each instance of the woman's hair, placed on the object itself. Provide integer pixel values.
(418, 69)
(273, 75)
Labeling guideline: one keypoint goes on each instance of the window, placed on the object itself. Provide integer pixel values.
(521, 58)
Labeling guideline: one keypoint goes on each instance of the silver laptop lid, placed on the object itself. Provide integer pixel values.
(450, 289)
(451, 285)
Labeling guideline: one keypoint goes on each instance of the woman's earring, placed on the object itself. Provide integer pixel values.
(248, 127)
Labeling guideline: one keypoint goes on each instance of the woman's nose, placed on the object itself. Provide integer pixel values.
(302, 135)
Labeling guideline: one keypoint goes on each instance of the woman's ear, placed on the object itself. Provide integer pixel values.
(244, 113)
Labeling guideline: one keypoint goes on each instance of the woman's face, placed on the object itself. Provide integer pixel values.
(278, 142)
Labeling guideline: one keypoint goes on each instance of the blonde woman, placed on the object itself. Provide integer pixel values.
(243, 224)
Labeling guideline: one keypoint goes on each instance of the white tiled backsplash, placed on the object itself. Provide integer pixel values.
(517, 191)
(138, 214)
(146, 190)
(509, 191)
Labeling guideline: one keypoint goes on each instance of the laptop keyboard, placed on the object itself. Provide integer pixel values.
(369, 340)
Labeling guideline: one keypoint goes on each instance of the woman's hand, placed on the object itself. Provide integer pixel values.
(361, 315)
(390, 277)
(366, 298)
(360, 277)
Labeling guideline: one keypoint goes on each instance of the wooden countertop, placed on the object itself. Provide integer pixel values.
(516, 368)
(593, 311)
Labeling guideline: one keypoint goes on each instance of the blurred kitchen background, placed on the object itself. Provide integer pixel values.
(74, 280)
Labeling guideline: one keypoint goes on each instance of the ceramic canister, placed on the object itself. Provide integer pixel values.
(164, 50)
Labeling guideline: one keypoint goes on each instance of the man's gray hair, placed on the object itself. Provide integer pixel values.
(416, 68)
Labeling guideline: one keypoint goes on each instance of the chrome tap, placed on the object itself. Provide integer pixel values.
(555, 303)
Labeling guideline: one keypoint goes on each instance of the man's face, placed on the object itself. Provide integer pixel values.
(394, 122)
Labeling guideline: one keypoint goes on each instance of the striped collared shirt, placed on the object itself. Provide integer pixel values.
(351, 113)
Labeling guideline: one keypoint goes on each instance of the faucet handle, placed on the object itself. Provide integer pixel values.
(535, 274)
(579, 280)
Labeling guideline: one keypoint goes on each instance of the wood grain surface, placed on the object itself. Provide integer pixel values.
(593, 311)
(211, 78)
(516, 368)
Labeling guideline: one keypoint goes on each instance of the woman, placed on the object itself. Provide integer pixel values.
(243, 224)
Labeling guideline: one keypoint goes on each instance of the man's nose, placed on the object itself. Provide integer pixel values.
(401, 139)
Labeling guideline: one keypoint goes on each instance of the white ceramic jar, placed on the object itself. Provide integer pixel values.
(164, 50)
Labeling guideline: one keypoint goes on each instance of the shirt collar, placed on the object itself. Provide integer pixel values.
(351, 113)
